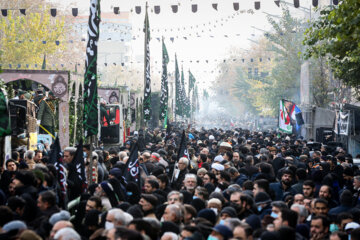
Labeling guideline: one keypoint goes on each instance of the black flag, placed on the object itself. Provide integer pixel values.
(55, 151)
(183, 152)
(80, 165)
(147, 89)
(77, 177)
(57, 160)
(132, 170)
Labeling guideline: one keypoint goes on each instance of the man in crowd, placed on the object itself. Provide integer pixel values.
(177, 200)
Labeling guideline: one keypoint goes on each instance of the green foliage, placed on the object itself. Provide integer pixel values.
(286, 42)
(22, 37)
(336, 35)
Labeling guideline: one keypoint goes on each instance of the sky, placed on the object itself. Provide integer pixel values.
(204, 30)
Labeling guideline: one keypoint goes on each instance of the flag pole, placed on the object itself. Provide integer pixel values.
(145, 42)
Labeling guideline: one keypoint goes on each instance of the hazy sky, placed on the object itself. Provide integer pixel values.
(225, 21)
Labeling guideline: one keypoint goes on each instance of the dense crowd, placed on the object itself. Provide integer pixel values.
(234, 184)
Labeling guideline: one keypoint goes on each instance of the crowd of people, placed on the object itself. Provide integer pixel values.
(232, 184)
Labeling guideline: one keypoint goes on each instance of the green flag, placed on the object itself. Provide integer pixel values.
(192, 81)
(164, 83)
(185, 100)
(206, 94)
(43, 67)
(5, 127)
(178, 94)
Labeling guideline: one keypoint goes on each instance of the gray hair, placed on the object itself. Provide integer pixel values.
(29, 154)
(70, 150)
(232, 223)
(122, 155)
(67, 234)
(201, 170)
(185, 160)
(175, 208)
(120, 216)
(181, 196)
(154, 222)
(302, 210)
(172, 235)
(190, 175)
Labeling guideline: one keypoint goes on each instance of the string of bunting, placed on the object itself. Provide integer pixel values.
(126, 64)
(108, 31)
(175, 8)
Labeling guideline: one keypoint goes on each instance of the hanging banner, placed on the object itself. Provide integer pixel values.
(147, 89)
(164, 83)
(90, 78)
(343, 122)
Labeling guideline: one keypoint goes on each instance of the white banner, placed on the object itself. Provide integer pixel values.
(343, 122)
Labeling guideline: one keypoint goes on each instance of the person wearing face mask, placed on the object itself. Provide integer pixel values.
(220, 232)
(226, 213)
(284, 185)
(262, 201)
(117, 218)
(215, 205)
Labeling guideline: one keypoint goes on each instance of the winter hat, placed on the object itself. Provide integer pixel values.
(262, 198)
(116, 172)
(16, 224)
(207, 214)
(254, 221)
(224, 231)
(62, 215)
(92, 218)
(150, 198)
(229, 211)
(218, 158)
(217, 167)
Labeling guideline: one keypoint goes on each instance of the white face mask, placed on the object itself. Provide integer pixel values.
(215, 210)
(109, 225)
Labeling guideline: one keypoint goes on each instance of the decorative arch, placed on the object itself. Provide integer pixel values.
(57, 82)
